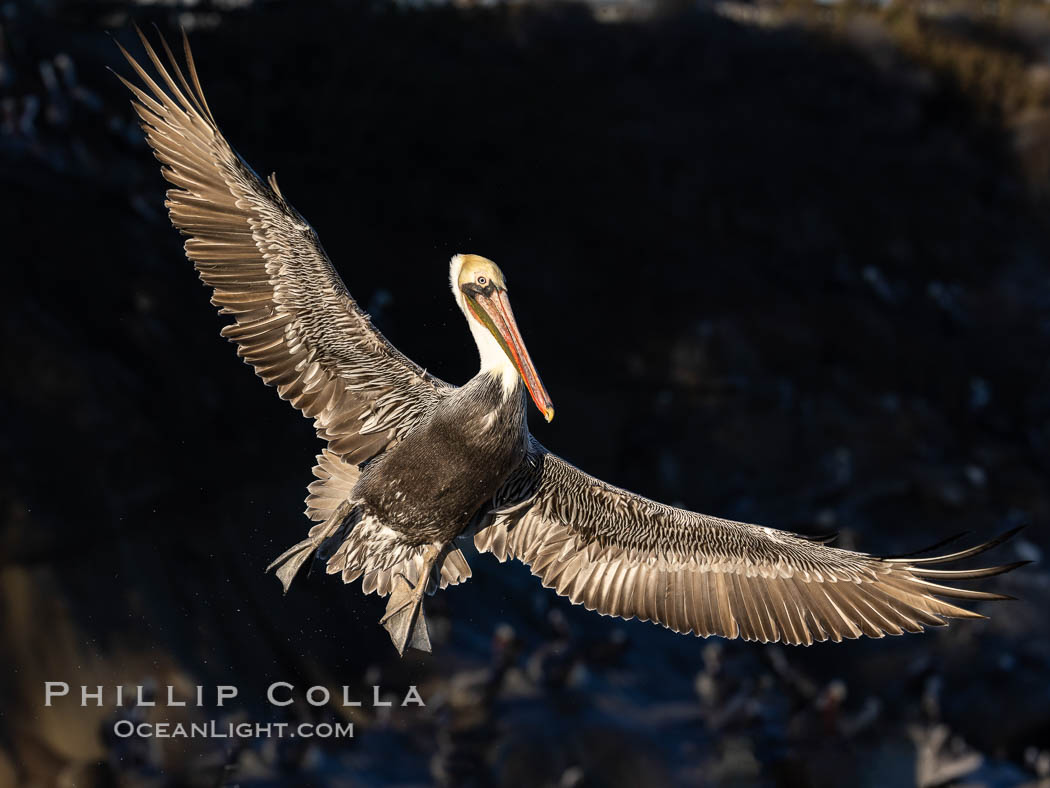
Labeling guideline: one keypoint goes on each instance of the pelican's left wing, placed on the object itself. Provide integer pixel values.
(624, 555)
(295, 322)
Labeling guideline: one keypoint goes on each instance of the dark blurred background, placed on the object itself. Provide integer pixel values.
(780, 262)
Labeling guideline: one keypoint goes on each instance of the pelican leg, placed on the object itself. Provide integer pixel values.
(291, 560)
(404, 618)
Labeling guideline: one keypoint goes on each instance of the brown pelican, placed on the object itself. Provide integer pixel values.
(412, 463)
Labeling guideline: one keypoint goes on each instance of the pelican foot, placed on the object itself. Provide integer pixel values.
(291, 561)
(404, 618)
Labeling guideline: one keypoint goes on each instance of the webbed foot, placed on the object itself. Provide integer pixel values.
(404, 618)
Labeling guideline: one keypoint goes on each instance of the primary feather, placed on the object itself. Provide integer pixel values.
(623, 555)
(294, 320)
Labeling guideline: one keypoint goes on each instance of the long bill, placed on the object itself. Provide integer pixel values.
(493, 309)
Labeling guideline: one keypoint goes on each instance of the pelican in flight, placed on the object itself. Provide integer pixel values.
(414, 464)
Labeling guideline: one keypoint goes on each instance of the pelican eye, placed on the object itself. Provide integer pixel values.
(482, 280)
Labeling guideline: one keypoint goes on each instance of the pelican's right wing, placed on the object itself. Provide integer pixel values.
(295, 321)
(624, 555)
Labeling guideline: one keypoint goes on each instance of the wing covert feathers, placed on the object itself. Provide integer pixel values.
(624, 555)
(294, 320)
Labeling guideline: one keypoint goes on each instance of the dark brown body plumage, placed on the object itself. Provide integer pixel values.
(430, 485)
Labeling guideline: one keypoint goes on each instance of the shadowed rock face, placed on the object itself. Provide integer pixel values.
(763, 274)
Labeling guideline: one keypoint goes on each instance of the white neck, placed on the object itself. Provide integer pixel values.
(493, 359)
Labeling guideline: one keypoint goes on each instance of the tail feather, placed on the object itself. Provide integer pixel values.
(378, 554)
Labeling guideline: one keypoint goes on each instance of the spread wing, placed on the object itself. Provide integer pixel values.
(295, 322)
(624, 555)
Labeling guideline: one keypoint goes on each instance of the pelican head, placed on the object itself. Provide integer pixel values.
(481, 292)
